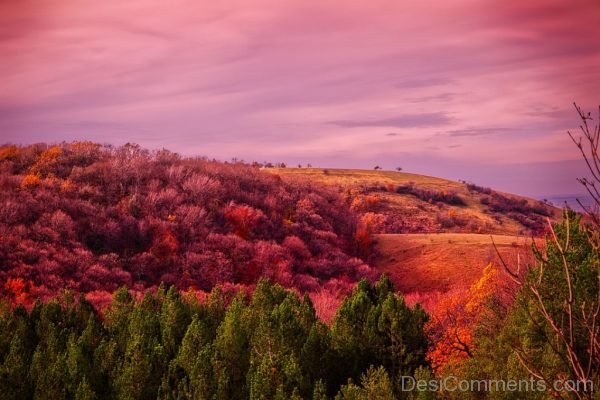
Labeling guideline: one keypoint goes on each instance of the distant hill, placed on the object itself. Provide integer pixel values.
(573, 201)
(414, 203)
(432, 235)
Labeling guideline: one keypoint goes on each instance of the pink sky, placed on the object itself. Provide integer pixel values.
(467, 89)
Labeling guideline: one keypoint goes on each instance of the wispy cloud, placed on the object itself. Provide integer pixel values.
(480, 131)
(304, 77)
(402, 121)
(441, 97)
(411, 83)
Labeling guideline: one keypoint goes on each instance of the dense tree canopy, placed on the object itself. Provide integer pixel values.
(168, 345)
(92, 218)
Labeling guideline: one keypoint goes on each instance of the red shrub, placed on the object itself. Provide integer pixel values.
(242, 218)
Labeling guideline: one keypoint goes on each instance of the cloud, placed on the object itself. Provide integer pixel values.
(479, 131)
(403, 121)
(262, 78)
(133, 29)
(420, 83)
(441, 97)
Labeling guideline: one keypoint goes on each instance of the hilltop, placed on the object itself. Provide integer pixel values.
(412, 203)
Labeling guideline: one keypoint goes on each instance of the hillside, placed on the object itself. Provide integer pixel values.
(432, 235)
(423, 264)
(414, 203)
(93, 218)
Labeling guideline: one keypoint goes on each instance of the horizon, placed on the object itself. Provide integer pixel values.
(486, 98)
(540, 196)
(365, 166)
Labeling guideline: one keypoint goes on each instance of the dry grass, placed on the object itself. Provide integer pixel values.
(423, 214)
(434, 263)
(347, 177)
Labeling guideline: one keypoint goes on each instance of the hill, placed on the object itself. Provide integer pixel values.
(92, 218)
(433, 235)
(412, 203)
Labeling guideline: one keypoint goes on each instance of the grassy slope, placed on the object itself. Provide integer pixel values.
(430, 262)
(439, 262)
(422, 213)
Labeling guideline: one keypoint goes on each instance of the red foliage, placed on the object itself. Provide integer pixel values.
(99, 298)
(326, 304)
(275, 262)
(242, 218)
(17, 289)
(165, 246)
(92, 218)
(20, 291)
(455, 316)
(364, 240)
(369, 223)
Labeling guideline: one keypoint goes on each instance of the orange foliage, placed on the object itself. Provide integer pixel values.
(52, 181)
(66, 186)
(365, 203)
(86, 147)
(30, 180)
(46, 161)
(372, 222)
(50, 155)
(9, 152)
(455, 316)
(368, 224)
(351, 194)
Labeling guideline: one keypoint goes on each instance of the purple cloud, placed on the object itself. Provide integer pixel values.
(257, 80)
(402, 121)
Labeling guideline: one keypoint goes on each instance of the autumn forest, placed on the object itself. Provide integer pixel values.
(299, 199)
(132, 274)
